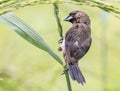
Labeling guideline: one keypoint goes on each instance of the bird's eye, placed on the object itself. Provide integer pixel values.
(70, 14)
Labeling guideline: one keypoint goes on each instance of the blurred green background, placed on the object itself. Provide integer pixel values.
(24, 67)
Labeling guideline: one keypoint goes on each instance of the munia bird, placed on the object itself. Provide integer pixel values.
(76, 43)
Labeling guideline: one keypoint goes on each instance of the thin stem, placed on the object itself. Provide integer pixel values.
(11, 5)
(68, 79)
(56, 12)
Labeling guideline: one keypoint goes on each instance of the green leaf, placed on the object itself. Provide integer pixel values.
(28, 33)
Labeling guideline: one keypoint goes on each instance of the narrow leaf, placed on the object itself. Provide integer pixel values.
(27, 32)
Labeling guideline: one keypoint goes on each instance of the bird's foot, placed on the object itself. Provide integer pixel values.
(64, 71)
(60, 40)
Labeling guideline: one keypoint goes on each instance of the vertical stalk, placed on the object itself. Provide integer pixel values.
(56, 13)
(67, 79)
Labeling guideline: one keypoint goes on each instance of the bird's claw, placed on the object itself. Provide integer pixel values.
(64, 71)
(60, 41)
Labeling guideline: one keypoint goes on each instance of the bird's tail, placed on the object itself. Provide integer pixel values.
(75, 73)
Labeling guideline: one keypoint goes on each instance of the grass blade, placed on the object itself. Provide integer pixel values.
(27, 32)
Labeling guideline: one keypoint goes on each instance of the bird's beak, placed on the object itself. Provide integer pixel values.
(68, 18)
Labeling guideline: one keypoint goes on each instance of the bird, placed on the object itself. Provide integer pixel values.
(76, 43)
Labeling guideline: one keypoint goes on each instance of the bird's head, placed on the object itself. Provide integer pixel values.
(78, 17)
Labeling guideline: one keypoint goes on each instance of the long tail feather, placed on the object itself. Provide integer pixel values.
(76, 74)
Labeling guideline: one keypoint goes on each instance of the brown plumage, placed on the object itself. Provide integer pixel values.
(76, 43)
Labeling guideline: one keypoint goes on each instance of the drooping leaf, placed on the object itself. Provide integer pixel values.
(27, 32)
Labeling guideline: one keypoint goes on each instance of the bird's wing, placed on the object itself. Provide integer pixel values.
(77, 42)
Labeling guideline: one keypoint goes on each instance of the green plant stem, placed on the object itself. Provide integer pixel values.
(56, 13)
(11, 5)
(68, 79)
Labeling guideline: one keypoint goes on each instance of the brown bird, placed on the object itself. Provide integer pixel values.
(76, 43)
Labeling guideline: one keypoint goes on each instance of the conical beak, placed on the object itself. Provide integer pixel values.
(68, 18)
